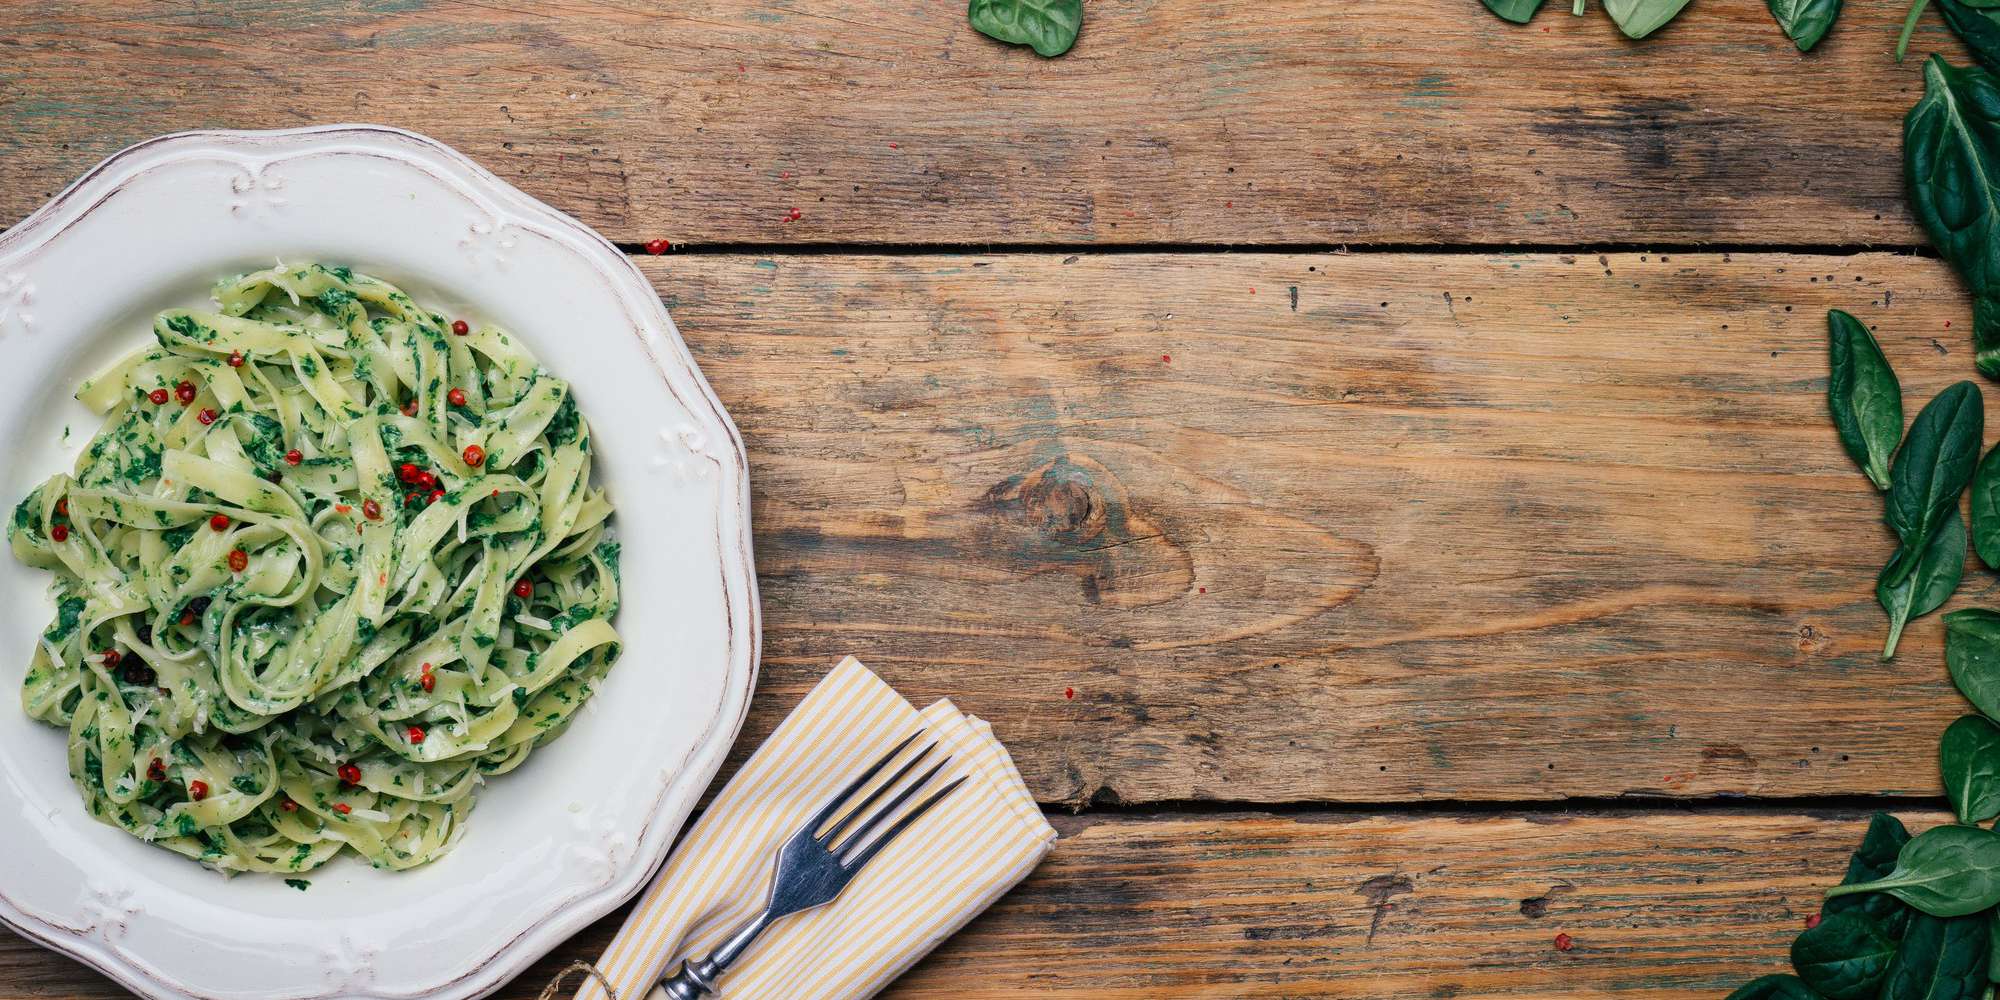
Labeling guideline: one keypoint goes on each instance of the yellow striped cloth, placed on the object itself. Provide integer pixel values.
(956, 860)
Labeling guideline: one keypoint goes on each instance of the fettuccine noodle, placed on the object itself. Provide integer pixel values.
(329, 562)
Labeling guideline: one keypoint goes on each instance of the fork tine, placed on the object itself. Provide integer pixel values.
(854, 864)
(882, 815)
(881, 789)
(833, 805)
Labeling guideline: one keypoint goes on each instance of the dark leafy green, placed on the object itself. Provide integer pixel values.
(1774, 988)
(1940, 958)
(1845, 957)
(1976, 24)
(1972, 654)
(1864, 396)
(1969, 760)
(1951, 164)
(1873, 859)
(1985, 505)
(1517, 11)
(1047, 26)
(1907, 593)
(1805, 21)
(1946, 871)
(1639, 18)
(1934, 464)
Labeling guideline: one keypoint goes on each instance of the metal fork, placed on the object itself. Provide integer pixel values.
(812, 871)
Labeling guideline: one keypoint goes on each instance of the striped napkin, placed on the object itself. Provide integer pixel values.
(974, 846)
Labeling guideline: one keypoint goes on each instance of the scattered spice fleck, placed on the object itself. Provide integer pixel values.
(1564, 942)
(658, 247)
(1069, 692)
(1166, 359)
(892, 146)
(1201, 590)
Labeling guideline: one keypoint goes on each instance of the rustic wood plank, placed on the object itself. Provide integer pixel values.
(1291, 121)
(1660, 906)
(1448, 527)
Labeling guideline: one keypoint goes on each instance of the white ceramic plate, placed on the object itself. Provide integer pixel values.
(551, 846)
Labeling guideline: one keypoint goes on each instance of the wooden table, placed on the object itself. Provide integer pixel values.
(1368, 461)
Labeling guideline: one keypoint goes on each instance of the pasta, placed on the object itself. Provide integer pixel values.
(329, 562)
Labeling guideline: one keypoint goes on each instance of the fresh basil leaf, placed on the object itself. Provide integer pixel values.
(1774, 988)
(1805, 21)
(1639, 18)
(1946, 871)
(1908, 594)
(1977, 25)
(1951, 164)
(1969, 760)
(1844, 957)
(1047, 26)
(1864, 396)
(1940, 959)
(1873, 859)
(1934, 464)
(1517, 11)
(1972, 654)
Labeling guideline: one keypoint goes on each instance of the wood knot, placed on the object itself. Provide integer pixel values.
(1060, 497)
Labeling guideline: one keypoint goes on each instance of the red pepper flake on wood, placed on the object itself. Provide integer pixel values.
(1069, 692)
(1564, 942)
(658, 247)
(1166, 359)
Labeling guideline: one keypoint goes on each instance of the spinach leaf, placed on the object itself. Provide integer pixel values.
(1805, 21)
(1875, 858)
(1934, 464)
(1774, 988)
(1862, 392)
(1917, 592)
(1909, 26)
(1946, 871)
(1972, 654)
(1048, 26)
(1639, 18)
(1951, 163)
(1517, 11)
(1940, 959)
(1969, 760)
(1986, 509)
(1844, 957)
(1977, 25)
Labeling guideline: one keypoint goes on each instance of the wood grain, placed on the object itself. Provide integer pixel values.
(1660, 906)
(1230, 121)
(1505, 527)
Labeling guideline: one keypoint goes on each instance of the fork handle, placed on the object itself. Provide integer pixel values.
(697, 979)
